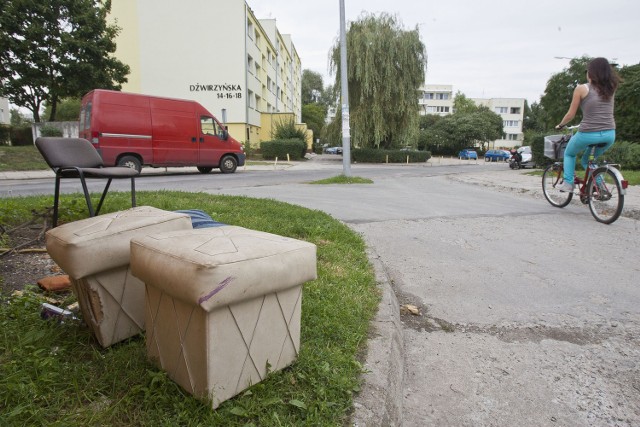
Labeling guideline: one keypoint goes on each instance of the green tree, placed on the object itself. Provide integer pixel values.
(557, 95)
(459, 130)
(314, 116)
(56, 49)
(627, 105)
(534, 118)
(386, 66)
(312, 87)
(462, 104)
(68, 110)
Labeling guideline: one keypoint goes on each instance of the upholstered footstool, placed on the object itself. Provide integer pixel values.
(94, 252)
(222, 305)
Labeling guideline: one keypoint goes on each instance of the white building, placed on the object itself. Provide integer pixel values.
(216, 52)
(5, 113)
(512, 112)
(436, 99)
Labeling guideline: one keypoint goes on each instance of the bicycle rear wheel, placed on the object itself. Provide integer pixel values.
(605, 197)
(551, 177)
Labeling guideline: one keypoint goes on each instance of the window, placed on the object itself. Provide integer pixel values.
(252, 100)
(511, 123)
(501, 110)
(257, 40)
(208, 126)
(438, 109)
(515, 110)
(250, 31)
(442, 96)
(428, 95)
(269, 83)
(512, 136)
(250, 63)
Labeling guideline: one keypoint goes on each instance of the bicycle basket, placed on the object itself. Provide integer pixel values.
(554, 146)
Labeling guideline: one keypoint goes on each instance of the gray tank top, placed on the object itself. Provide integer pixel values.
(597, 114)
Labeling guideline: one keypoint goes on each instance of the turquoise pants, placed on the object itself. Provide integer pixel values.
(579, 142)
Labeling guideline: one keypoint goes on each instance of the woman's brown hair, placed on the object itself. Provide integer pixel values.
(603, 77)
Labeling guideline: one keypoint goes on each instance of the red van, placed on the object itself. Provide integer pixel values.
(134, 130)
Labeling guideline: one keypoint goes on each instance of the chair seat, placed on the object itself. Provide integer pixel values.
(77, 158)
(115, 172)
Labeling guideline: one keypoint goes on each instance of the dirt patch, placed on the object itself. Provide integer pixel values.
(23, 258)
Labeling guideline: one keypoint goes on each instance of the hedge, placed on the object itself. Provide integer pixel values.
(625, 153)
(295, 148)
(373, 155)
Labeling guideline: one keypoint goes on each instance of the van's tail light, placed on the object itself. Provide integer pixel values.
(94, 137)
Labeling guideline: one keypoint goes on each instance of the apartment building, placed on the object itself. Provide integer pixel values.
(438, 99)
(216, 52)
(512, 112)
(5, 113)
(435, 99)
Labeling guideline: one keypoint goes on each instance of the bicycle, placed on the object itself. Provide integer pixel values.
(602, 188)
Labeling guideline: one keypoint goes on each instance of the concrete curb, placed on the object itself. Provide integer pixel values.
(379, 402)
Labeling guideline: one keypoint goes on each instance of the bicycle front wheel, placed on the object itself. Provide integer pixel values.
(605, 197)
(551, 177)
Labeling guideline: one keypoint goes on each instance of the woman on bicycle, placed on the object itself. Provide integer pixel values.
(595, 99)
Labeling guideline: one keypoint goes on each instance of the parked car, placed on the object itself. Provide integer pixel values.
(496, 155)
(468, 154)
(333, 150)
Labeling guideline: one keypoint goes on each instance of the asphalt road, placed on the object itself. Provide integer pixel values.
(529, 314)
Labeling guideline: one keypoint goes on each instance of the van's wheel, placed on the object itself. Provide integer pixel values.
(228, 164)
(130, 162)
(204, 169)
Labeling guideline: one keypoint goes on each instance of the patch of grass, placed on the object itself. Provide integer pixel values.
(57, 374)
(630, 175)
(342, 179)
(22, 158)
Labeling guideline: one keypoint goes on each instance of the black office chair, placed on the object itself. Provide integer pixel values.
(76, 158)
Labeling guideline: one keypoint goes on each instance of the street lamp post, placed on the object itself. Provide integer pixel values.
(346, 138)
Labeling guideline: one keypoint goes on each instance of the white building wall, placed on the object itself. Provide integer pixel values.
(5, 112)
(436, 99)
(512, 112)
(215, 52)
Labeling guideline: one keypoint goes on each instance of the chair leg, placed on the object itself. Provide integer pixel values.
(104, 194)
(86, 195)
(56, 196)
(133, 192)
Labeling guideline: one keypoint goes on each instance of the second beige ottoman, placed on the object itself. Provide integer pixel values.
(222, 305)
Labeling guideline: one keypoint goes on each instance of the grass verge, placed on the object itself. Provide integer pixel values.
(22, 158)
(630, 175)
(57, 374)
(342, 179)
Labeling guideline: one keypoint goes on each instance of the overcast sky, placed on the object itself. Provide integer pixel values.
(484, 48)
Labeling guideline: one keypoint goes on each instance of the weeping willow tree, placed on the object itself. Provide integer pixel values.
(386, 66)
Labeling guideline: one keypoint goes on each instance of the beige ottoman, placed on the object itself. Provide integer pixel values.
(222, 305)
(94, 252)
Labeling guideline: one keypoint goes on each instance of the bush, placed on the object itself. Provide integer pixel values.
(627, 154)
(286, 129)
(49, 130)
(21, 136)
(5, 134)
(295, 148)
(373, 155)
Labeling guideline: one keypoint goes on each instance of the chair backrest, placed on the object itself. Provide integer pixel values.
(68, 152)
